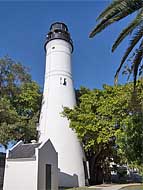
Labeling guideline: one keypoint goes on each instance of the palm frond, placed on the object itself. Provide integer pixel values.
(128, 30)
(137, 61)
(126, 7)
(141, 70)
(114, 5)
(135, 39)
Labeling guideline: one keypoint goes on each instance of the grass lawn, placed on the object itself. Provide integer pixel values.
(82, 188)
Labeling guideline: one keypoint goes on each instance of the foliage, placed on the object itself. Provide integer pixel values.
(19, 102)
(104, 121)
(116, 11)
(12, 75)
(130, 136)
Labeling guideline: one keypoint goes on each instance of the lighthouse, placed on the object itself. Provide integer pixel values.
(59, 93)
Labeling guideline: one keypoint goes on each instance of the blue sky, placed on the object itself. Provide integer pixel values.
(24, 26)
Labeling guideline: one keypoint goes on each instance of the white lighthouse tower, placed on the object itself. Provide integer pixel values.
(59, 93)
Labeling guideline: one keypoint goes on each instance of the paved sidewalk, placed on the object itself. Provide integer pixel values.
(113, 186)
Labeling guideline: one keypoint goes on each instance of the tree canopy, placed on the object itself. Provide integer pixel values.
(20, 99)
(104, 121)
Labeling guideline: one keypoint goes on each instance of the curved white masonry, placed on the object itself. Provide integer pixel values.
(59, 93)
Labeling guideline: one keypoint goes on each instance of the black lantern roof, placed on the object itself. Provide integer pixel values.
(59, 30)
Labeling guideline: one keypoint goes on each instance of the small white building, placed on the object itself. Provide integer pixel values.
(32, 166)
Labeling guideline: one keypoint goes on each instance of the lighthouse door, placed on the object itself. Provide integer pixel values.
(48, 177)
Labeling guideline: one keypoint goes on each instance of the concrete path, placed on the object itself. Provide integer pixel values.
(113, 186)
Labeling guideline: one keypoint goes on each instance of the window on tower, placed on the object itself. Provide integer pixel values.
(63, 81)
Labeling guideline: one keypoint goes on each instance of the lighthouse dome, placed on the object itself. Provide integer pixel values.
(59, 30)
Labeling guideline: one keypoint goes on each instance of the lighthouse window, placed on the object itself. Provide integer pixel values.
(63, 81)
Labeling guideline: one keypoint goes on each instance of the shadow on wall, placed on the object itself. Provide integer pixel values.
(67, 180)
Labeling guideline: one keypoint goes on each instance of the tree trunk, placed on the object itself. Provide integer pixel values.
(95, 170)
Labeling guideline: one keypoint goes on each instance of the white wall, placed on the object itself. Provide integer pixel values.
(47, 155)
(20, 175)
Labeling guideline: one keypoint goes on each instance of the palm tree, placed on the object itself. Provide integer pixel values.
(116, 11)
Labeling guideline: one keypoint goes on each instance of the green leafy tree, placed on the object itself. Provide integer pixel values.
(95, 127)
(117, 10)
(12, 75)
(20, 100)
(130, 135)
(99, 120)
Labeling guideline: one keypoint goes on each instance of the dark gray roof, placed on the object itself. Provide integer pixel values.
(23, 151)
